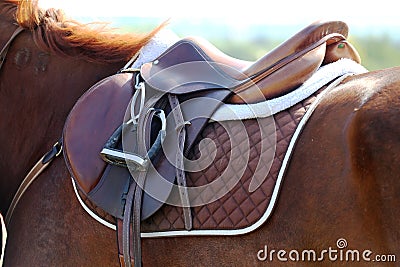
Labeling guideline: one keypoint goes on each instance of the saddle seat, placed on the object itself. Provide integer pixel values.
(283, 69)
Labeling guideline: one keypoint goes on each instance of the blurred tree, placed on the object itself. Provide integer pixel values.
(377, 52)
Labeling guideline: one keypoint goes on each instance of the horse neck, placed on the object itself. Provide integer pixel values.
(37, 91)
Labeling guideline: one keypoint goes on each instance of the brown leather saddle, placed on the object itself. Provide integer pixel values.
(130, 132)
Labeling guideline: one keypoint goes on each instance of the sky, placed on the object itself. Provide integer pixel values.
(236, 13)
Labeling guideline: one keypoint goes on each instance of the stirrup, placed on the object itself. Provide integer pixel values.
(112, 155)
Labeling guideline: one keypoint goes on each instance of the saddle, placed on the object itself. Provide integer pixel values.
(127, 137)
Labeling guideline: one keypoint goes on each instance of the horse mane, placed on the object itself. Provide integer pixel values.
(53, 31)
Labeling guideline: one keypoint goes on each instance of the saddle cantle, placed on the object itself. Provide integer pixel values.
(189, 71)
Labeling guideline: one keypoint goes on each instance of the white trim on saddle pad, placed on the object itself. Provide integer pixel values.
(3, 239)
(321, 77)
(274, 196)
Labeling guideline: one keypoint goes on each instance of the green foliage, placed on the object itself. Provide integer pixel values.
(245, 49)
(377, 52)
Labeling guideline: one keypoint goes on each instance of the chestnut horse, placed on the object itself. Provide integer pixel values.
(342, 183)
(47, 68)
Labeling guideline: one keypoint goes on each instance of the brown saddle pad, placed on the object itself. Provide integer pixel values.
(239, 208)
(102, 109)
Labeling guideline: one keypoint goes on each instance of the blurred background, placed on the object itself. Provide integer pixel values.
(249, 29)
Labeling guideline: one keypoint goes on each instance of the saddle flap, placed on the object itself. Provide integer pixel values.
(90, 124)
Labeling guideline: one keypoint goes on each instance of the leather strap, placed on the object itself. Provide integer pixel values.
(126, 229)
(137, 206)
(133, 205)
(39, 167)
(3, 52)
(180, 168)
(144, 120)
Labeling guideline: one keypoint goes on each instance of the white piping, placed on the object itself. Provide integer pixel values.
(321, 77)
(3, 239)
(89, 211)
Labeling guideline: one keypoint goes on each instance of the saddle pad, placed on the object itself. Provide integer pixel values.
(239, 208)
(245, 206)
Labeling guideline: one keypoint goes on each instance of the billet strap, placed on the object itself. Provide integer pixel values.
(39, 167)
(119, 233)
(137, 206)
(3, 239)
(4, 50)
(126, 227)
(180, 168)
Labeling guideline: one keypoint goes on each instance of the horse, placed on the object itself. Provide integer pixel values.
(52, 52)
(339, 197)
(41, 67)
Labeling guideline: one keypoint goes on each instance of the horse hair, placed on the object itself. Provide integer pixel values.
(53, 31)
